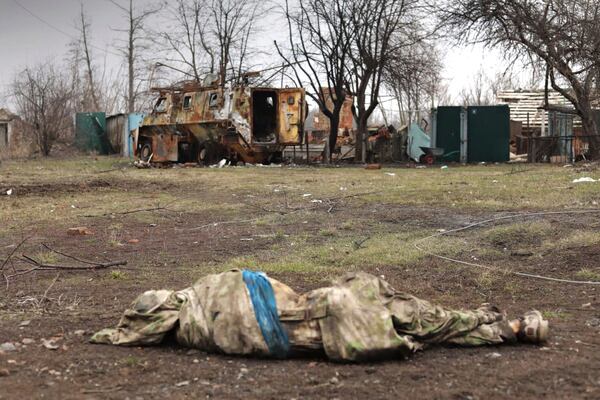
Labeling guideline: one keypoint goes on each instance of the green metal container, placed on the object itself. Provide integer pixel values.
(488, 133)
(473, 134)
(447, 132)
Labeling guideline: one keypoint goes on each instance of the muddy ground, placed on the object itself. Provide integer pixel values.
(168, 248)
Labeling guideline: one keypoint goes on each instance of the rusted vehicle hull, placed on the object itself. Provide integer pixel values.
(207, 124)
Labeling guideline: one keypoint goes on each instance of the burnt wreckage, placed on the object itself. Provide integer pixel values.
(206, 123)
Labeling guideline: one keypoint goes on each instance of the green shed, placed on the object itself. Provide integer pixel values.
(90, 132)
(472, 134)
(488, 133)
(447, 132)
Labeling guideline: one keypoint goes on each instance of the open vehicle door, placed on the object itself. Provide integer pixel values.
(291, 116)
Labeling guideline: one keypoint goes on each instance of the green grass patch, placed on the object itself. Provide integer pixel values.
(336, 254)
(118, 275)
(588, 274)
(575, 239)
(555, 314)
(47, 257)
(520, 234)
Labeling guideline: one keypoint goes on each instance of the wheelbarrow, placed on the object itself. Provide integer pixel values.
(430, 154)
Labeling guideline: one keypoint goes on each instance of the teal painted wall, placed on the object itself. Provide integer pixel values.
(90, 132)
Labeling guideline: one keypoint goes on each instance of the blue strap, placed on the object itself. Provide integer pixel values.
(265, 309)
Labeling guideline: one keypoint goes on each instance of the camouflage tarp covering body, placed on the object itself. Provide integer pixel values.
(359, 317)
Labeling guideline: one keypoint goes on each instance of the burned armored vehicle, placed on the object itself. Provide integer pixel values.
(207, 123)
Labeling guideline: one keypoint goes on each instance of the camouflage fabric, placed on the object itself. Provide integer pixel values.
(214, 315)
(359, 317)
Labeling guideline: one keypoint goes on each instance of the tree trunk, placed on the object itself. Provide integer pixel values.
(360, 154)
(590, 128)
(334, 123)
(130, 60)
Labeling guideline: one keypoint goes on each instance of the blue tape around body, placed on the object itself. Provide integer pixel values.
(265, 309)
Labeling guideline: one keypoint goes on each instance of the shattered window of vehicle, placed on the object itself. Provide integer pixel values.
(213, 100)
(161, 105)
(187, 101)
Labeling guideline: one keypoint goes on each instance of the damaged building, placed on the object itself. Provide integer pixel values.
(14, 141)
(546, 129)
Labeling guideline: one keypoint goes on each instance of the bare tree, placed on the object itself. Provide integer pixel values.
(562, 34)
(43, 98)
(319, 46)
(413, 75)
(94, 85)
(373, 25)
(234, 21)
(210, 36)
(479, 92)
(186, 40)
(134, 44)
(84, 30)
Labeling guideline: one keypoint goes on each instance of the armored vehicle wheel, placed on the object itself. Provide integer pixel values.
(202, 155)
(209, 153)
(146, 152)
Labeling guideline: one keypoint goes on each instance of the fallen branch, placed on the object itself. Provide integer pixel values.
(12, 252)
(68, 255)
(358, 244)
(235, 221)
(7, 277)
(353, 195)
(110, 170)
(45, 296)
(101, 391)
(91, 266)
(137, 210)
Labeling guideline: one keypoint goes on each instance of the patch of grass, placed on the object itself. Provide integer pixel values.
(131, 361)
(485, 279)
(47, 257)
(114, 234)
(512, 287)
(226, 191)
(328, 232)
(578, 238)
(521, 234)
(347, 225)
(263, 221)
(280, 234)
(588, 274)
(118, 275)
(335, 254)
(555, 314)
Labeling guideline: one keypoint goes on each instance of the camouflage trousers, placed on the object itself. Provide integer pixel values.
(433, 324)
(358, 317)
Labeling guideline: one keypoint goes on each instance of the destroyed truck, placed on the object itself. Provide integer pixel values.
(207, 123)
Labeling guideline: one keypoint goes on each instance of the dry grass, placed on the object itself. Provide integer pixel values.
(61, 193)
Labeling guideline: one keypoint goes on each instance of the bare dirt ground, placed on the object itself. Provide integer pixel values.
(199, 221)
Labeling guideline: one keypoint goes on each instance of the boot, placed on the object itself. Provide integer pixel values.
(533, 328)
